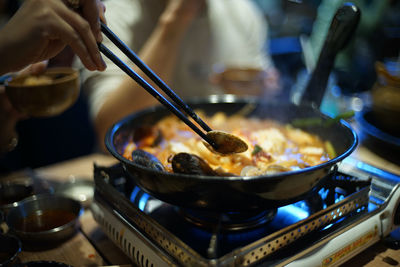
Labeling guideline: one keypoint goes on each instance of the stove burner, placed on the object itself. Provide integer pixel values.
(154, 233)
(228, 221)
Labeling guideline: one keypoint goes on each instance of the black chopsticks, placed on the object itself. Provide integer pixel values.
(146, 70)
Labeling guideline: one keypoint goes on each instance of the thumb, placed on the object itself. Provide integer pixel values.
(35, 69)
(39, 67)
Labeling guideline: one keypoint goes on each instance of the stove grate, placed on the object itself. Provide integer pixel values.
(170, 249)
(268, 245)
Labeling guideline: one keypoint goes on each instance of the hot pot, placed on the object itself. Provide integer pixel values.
(232, 193)
(248, 194)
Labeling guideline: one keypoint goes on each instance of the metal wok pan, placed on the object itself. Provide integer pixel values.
(231, 194)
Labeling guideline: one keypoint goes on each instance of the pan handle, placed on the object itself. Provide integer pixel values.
(343, 26)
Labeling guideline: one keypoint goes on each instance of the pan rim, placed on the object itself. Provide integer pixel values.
(224, 99)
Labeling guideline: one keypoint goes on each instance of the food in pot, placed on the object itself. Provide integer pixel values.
(272, 147)
(225, 143)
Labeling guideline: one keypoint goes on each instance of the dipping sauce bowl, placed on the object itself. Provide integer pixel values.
(44, 218)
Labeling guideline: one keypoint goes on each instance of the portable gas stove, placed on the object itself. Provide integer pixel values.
(354, 209)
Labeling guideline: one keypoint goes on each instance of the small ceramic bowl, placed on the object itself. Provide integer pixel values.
(44, 218)
(10, 247)
(386, 99)
(241, 81)
(47, 94)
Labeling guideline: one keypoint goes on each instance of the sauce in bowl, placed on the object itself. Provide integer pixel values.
(44, 220)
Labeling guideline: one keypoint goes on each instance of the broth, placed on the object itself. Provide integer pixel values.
(273, 147)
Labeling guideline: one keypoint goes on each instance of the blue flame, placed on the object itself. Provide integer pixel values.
(134, 194)
(143, 201)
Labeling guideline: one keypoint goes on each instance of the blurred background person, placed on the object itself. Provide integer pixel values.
(184, 42)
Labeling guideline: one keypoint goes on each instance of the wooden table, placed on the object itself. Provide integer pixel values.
(91, 247)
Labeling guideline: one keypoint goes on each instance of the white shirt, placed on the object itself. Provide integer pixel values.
(230, 33)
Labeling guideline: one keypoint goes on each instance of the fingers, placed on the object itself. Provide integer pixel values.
(89, 8)
(64, 31)
(35, 68)
(102, 14)
(81, 40)
(39, 67)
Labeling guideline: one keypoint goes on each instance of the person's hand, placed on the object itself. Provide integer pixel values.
(86, 10)
(183, 10)
(35, 69)
(40, 29)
